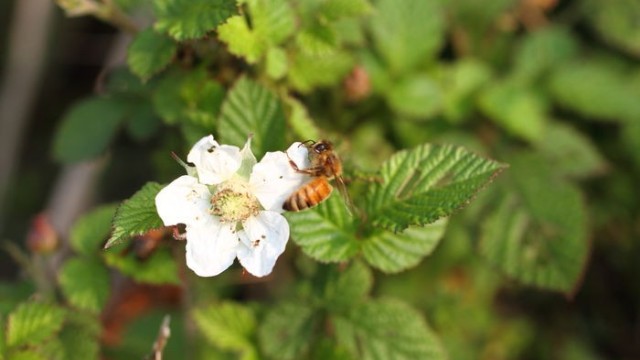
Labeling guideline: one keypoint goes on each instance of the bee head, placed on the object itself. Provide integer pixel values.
(322, 146)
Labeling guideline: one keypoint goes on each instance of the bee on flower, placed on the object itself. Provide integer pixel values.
(232, 205)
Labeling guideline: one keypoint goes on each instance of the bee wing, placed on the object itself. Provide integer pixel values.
(342, 188)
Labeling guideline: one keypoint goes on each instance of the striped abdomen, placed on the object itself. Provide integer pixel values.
(309, 195)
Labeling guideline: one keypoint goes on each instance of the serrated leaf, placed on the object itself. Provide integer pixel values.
(311, 70)
(287, 331)
(387, 329)
(570, 152)
(85, 283)
(326, 233)
(516, 108)
(416, 96)
(393, 252)
(407, 33)
(90, 231)
(136, 215)
(32, 322)
(191, 19)
(348, 287)
(87, 129)
(426, 183)
(159, 268)
(596, 90)
(272, 21)
(229, 326)
(149, 53)
(250, 108)
(191, 97)
(538, 234)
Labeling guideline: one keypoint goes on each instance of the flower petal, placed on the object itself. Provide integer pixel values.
(273, 179)
(215, 163)
(184, 201)
(211, 247)
(264, 238)
(248, 160)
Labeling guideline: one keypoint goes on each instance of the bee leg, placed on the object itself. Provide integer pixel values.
(312, 171)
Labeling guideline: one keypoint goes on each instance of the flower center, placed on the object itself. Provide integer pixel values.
(232, 202)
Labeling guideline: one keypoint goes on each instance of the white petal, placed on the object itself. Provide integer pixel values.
(183, 201)
(248, 160)
(215, 163)
(264, 238)
(211, 247)
(273, 179)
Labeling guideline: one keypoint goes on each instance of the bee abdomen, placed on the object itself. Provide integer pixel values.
(309, 195)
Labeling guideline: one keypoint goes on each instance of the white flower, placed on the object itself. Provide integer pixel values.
(232, 206)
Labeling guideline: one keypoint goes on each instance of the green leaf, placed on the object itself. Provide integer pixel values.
(427, 183)
(516, 108)
(191, 19)
(570, 152)
(250, 108)
(616, 21)
(337, 9)
(407, 33)
(393, 252)
(387, 329)
(87, 129)
(538, 234)
(318, 62)
(416, 96)
(277, 63)
(229, 326)
(595, 89)
(85, 283)
(136, 215)
(143, 123)
(326, 233)
(299, 121)
(79, 343)
(272, 21)
(32, 322)
(150, 53)
(287, 331)
(460, 82)
(27, 355)
(91, 230)
(348, 287)
(159, 268)
(543, 50)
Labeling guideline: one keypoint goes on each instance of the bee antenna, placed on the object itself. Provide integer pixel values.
(307, 142)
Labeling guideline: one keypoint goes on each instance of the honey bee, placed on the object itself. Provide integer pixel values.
(325, 166)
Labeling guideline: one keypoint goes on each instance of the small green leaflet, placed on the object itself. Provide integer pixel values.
(136, 215)
(538, 234)
(149, 53)
(427, 183)
(89, 232)
(191, 19)
(250, 108)
(229, 326)
(387, 329)
(287, 330)
(85, 283)
(33, 322)
(87, 129)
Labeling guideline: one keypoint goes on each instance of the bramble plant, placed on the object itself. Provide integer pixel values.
(418, 97)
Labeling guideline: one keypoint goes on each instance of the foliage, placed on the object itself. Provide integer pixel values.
(448, 253)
